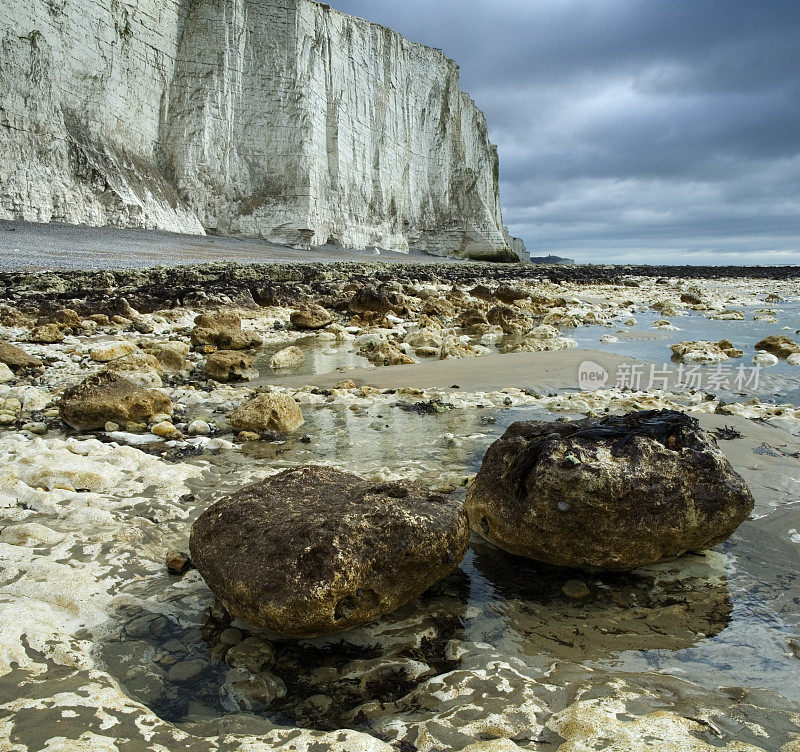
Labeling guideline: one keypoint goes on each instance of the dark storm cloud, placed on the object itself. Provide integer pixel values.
(632, 127)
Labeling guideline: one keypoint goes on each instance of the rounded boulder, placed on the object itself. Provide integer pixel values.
(616, 493)
(313, 550)
(109, 396)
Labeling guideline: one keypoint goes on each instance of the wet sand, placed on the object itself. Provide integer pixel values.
(540, 371)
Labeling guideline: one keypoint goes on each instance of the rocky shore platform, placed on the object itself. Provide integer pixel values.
(247, 284)
(277, 421)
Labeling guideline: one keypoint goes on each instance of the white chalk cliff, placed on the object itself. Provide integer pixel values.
(281, 119)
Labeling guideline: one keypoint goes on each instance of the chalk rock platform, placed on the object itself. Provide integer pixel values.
(312, 550)
(615, 493)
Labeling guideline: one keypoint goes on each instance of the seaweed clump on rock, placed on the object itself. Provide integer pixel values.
(615, 493)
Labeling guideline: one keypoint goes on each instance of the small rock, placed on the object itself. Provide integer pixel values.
(319, 703)
(141, 368)
(16, 358)
(230, 636)
(170, 358)
(268, 412)
(37, 428)
(310, 316)
(779, 345)
(247, 688)
(765, 359)
(6, 374)
(289, 357)
(107, 396)
(165, 429)
(198, 428)
(47, 334)
(385, 352)
(178, 562)
(370, 300)
(184, 672)
(729, 315)
(111, 426)
(705, 352)
(246, 436)
(112, 351)
(143, 326)
(575, 589)
(508, 294)
(229, 365)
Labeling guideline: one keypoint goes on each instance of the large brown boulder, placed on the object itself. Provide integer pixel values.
(108, 396)
(16, 358)
(313, 550)
(615, 493)
(779, 345)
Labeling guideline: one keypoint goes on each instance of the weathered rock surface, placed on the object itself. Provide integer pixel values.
(615, 493)
(139, 367)
(705, 352)
(222, 330)
(384, 352)
(310, 316)
(46, 334)
(778, 345)
(372, 300)
(268, 412)
(108, 396)
(313, 550)
(16, 358)
(288, 357)
(112, 350)
(246, 117)
(230, 365)
(170, 355)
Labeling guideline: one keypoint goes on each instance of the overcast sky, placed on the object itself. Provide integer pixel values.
(632, 130)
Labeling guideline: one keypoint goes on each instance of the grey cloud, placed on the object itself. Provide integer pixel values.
(632, 126)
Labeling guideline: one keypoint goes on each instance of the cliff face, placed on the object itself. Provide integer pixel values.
(280, 119)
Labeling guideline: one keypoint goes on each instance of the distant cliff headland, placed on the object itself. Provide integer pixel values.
(279, 119)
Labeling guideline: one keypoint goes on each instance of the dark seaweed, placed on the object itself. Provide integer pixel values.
(672, 429)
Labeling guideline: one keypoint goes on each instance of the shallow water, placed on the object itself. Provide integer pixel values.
(778, 383)
(321, 357)
(719, 618)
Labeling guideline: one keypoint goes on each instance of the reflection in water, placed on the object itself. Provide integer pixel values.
(475, 647)
(322, 356)
(661, 607)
